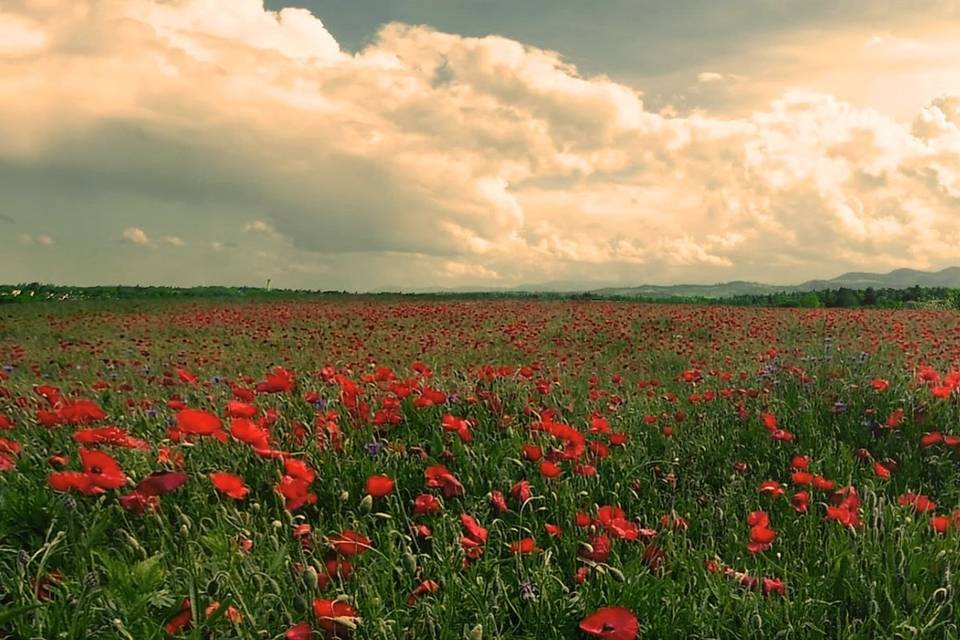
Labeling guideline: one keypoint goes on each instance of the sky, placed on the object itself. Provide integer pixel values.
(385, 144)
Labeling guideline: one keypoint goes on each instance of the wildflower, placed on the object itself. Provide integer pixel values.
(611, 623)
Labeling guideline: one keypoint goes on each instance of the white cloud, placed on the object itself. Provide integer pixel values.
(136, 235)
(173, 241)
(438, 156)
(261, 227)
(42, 239)
(20, 36)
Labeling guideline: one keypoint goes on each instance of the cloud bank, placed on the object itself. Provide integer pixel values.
(430, 158)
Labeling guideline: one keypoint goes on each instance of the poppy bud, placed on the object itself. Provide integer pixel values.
(344, 496)
(311, 578)
(91, 580)
(476, 633)
(135, 545)
(299, 603)
(366, 504)
(409, 562)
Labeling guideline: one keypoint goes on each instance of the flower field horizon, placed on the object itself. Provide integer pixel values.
(531, 469)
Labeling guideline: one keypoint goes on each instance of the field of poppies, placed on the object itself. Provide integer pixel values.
(477, 470)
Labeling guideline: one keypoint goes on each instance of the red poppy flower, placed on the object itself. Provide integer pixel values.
(229, 484)
(136, 502)
(279, 380)
(473, 528)
(299, 469)
(198, 422)
(611, 623)
(379, 486)
(112, 436)
(531, 452)
(296, 493)
(919, 502)
(77, 480)
(550, 469)
(598, 550)
(351, 543)
(49, 393)
(523, 546)
(769, 421)
(162, 482)
(800, 501)
(821, 483)
(773, 586)
(246, 431)
(239, 409)
(103, 470)
(425, 504)
(180, 621)
(940, 524)
(521, 491)
(895, 418)
(424, 588)
(844, 515)
(761, 538)
(771, 487)
(438, 477)
(299, 631)
(80, 411)
(335, 617)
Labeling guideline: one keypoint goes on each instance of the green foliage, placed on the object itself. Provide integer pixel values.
(843, 297)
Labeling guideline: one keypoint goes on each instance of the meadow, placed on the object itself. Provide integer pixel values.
(477, 470)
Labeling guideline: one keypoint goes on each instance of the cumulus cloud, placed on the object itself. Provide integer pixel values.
(709, 76)
(260, 227)
(173, 241)
(42, 240)
(455, 158)
(136, 235)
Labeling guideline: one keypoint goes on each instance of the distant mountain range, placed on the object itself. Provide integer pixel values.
(898, 279)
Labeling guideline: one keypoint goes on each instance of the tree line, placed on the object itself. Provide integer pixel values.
(843, 297)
